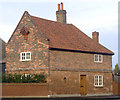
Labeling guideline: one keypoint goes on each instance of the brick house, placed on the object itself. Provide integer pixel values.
(74, 62)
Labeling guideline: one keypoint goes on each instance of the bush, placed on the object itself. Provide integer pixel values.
(25, 78)
(117, 70)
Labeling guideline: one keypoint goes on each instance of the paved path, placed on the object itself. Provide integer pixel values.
(114, 97)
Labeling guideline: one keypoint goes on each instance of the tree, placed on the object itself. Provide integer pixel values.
(117, 69)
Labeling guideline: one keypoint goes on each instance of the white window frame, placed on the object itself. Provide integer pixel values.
(25, 56)
(98, 81)
(26, 75)
(98, 58)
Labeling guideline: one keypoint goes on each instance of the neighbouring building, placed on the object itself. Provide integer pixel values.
(2, 56)
(74, 62)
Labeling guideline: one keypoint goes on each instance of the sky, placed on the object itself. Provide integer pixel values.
(87, 15)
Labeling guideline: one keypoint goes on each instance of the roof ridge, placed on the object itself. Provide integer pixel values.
(50, 20)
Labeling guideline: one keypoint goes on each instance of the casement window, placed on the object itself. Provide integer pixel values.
(98, 58)
(98, 80)
(25, 56)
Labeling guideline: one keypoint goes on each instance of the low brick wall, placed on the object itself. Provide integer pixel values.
(25, 89)
(116, 88)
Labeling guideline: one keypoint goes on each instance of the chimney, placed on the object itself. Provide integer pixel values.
(61, 6)
(58, 6)
(95, 36)
(61, 14)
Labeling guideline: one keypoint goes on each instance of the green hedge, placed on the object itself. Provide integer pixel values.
(18, 78)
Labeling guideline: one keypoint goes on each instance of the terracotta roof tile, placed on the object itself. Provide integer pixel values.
(67, 36)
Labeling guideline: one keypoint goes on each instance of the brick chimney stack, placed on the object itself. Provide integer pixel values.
(61, 14)
(95, 36)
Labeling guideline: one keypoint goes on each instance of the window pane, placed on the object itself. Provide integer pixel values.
(100, 58)
(100, 77)
(22, 54)
(27, 56)
(96, 83)
(96, 80)
(100, 80)
(96, 57)
(96, 77)
(23, 58)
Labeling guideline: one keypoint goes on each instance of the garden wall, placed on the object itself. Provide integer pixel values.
(116, 85)
(24, 89)
(116, 88)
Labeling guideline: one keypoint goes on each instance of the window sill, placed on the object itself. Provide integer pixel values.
(97, 62)
(98, 86)
(25, 60)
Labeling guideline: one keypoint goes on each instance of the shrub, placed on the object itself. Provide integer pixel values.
(25, 78)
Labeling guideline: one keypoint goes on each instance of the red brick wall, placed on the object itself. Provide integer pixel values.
(72, 66)
(116, 85)
(35, 43)
(25, 89)
(78, 60)
(72, 83)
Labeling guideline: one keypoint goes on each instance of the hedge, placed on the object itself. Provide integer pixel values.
(18, 78)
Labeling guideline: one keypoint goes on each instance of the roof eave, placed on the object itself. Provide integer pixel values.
(71, 50)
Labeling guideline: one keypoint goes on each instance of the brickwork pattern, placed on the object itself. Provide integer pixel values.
(66, 59)
(35, 43)
(61, 16)
(72, 83)
(85, 61)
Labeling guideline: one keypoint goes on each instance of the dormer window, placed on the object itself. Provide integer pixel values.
(25, 56)
(24, 31)
(98, 58)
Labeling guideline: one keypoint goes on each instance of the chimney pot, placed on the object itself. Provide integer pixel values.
(58, 6)
(95, 36)
(61, 6)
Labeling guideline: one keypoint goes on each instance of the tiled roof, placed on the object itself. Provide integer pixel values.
(67, 36)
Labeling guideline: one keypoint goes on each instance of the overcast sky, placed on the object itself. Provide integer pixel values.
(87, 15)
